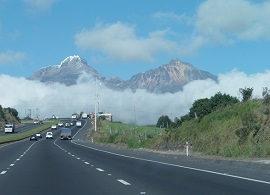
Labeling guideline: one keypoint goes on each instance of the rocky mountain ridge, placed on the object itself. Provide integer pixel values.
(168, 78)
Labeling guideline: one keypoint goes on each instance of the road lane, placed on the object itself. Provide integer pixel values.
(47, 169)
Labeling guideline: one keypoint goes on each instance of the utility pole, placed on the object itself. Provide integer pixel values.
(135, 115)
(96, 104)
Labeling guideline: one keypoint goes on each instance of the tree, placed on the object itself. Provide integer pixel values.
(246, 93)
(2, 115)
(200, 108)
(266, 95)
(164, 121)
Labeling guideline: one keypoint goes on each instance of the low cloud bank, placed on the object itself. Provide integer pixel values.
(138, 108)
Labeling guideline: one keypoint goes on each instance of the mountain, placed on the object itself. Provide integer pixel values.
(169, 77)
(66, 73)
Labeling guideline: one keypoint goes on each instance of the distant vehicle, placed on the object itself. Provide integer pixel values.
(9, 128)
(74, 116)
(84, 115)
(78, 123)
(53, 127)
(33, 138)
(60, 124)
(49, 135)
(65, 133)
(40, 122)
(71, 123)
(38, 135)
(67, 125)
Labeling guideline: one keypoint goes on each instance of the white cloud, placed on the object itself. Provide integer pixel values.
(119, 41)
(173, 16)
(11, 57)
(140, 107)
(39, 5)
(227, 20)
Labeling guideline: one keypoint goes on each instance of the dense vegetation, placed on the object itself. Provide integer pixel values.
(221, 125)
(8, 115)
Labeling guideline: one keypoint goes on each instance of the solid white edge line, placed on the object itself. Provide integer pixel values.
(174, 165)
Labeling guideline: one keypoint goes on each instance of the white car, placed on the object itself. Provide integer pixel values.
(60, 124)
(53, 127)
(49, 135)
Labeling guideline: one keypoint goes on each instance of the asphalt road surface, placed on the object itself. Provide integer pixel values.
(81, 167)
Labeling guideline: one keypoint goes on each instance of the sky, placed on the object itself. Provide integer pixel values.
(228, 38)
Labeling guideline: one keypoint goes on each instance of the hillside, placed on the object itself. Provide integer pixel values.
(241, 130)
(8, 115)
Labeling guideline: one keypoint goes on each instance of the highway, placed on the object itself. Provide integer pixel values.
(81, 167)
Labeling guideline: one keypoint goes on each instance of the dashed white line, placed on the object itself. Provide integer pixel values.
(123, 182)
(11, 165)
(99, 169)
(86, 163)
(3, 172)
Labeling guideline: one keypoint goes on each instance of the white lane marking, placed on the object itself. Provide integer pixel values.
(143, 193)
(11, 165)
(86, 163)
(174, 165)
(123, 182)
(109, 174)
(3, 172)
(17, 159)
(78, 158)
(99, 169)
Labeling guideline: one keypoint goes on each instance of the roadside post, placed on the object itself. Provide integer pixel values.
(187, 148)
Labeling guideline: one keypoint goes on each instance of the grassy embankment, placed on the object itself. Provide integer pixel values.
(241, 130)
(19, 136)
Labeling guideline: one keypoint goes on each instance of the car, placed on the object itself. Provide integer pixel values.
(36, 122)
(49, 135)
(60, 124)
(39, 135)
(53, 127)
(40, 122)
(33, 138)
(67, 125)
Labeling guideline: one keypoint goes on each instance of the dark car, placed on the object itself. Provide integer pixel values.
(39, 135)
(33, 138)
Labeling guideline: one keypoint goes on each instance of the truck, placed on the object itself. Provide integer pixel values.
(78, 124)
(65, 133)
(9, 128)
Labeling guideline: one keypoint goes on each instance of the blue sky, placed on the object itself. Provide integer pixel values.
(124, 37)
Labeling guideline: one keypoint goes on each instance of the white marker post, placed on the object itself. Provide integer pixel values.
(187, 147)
